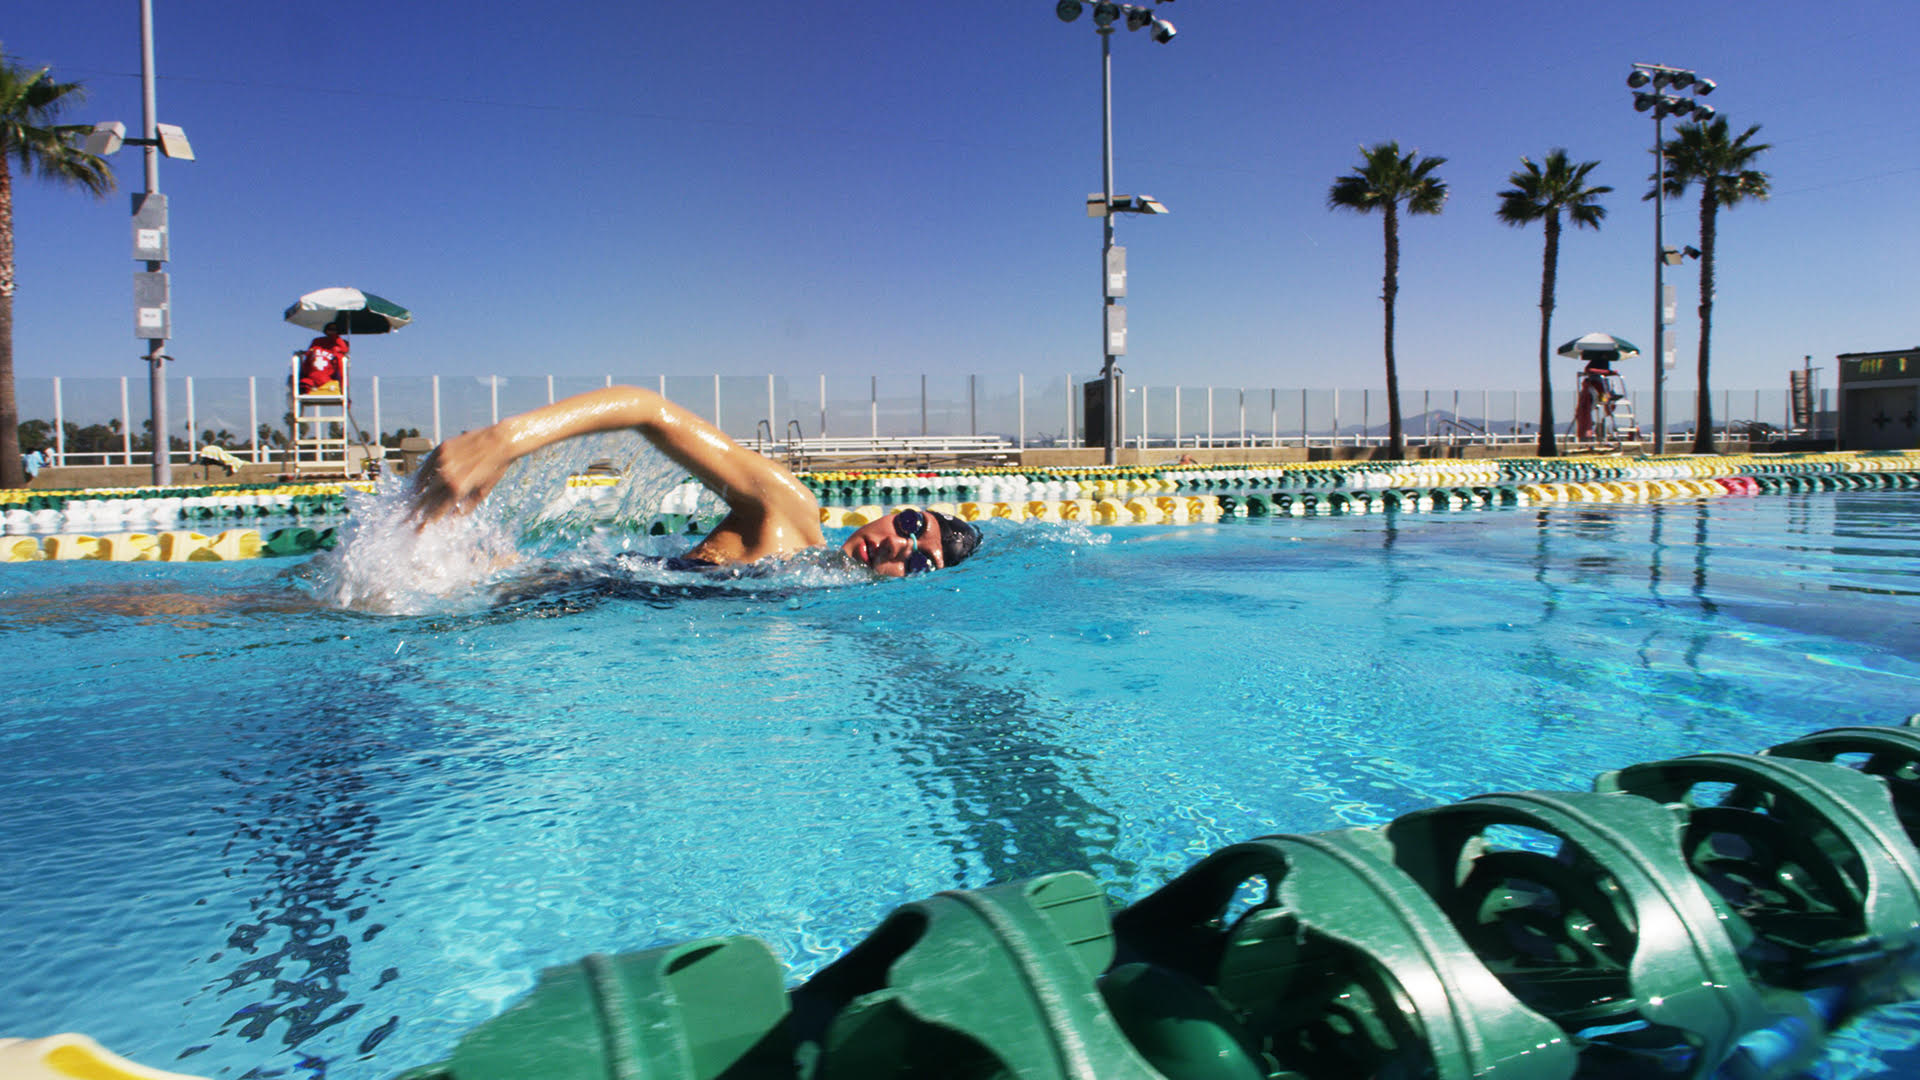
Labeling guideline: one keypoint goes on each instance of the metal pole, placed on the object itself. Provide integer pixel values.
(1106, 245)
(126, 425)
(1068, 442)
(156, 347)
(436, 410)
(1023, 410)
(373, 383)
(1659, 282)
(59, 426)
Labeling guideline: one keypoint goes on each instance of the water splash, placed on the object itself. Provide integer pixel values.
(387, 564)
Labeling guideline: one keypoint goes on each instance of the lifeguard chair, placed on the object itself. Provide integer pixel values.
(1602, 396)
(1602, 411)
(320, 422)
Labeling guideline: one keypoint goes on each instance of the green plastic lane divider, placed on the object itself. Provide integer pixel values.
(995, 982)
(1809, 855)
(1343, 966)
(1892, 754)
(1610, 936)
(696, 1011)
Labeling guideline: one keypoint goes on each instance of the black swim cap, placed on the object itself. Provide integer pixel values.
(958, 539)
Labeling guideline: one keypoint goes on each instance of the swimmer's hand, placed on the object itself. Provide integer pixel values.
(457, 476)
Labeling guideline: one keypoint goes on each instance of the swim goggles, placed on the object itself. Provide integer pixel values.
(912, 525)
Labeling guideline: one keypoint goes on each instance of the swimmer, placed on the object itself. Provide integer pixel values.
(770, 514)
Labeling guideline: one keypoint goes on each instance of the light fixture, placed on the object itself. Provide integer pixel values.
(1163, 31)
(1138, 17)
(1068, 10)
(1703, 87)
(1676, 106)
(1642, 102)
(1104, 13)
(1680, 80)
(1636, 80)
(1702, 112)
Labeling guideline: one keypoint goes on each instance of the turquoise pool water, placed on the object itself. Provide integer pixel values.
(247, 834)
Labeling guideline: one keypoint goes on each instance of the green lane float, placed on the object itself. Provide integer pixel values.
(1712, 916)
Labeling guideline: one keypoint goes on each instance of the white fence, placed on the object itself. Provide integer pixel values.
(93, 421)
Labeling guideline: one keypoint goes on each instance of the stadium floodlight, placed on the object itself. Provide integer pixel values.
(1663, 104)
(1106, 205)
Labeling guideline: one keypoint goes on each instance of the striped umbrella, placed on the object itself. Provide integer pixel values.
(1597, 342)
(363, 312)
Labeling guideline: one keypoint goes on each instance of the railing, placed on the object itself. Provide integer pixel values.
(92, 421)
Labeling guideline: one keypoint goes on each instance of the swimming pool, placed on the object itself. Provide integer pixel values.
(248, 833)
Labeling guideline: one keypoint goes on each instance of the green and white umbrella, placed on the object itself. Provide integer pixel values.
(1596, 342)
(363, 312)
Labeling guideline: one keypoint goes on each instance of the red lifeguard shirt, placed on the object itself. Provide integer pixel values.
(326, 359)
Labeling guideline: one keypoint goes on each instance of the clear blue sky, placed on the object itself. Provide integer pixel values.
(857, 188)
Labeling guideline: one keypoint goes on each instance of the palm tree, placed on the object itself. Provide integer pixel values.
(1703, 153)
(1385, 180)
(30, 102)
(1540, 193)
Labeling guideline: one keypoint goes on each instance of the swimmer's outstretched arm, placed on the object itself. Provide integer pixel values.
(770, 511)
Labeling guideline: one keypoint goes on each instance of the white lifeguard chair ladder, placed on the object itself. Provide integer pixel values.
(1617, 424)
(320, 425)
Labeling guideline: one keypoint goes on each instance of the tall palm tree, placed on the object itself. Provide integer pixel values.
(1384, 181)
(30, 102)
(1722, 166)
(1541, 193)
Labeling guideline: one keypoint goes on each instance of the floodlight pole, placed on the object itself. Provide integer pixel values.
(1661, 79)
(1659, 282)
(156, 347)
(1108, 373)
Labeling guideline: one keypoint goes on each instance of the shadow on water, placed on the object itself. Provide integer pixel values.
(306, 835)
(977, 739)
(980, 741)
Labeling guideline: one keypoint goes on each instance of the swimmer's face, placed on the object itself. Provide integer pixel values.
(897, 544)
